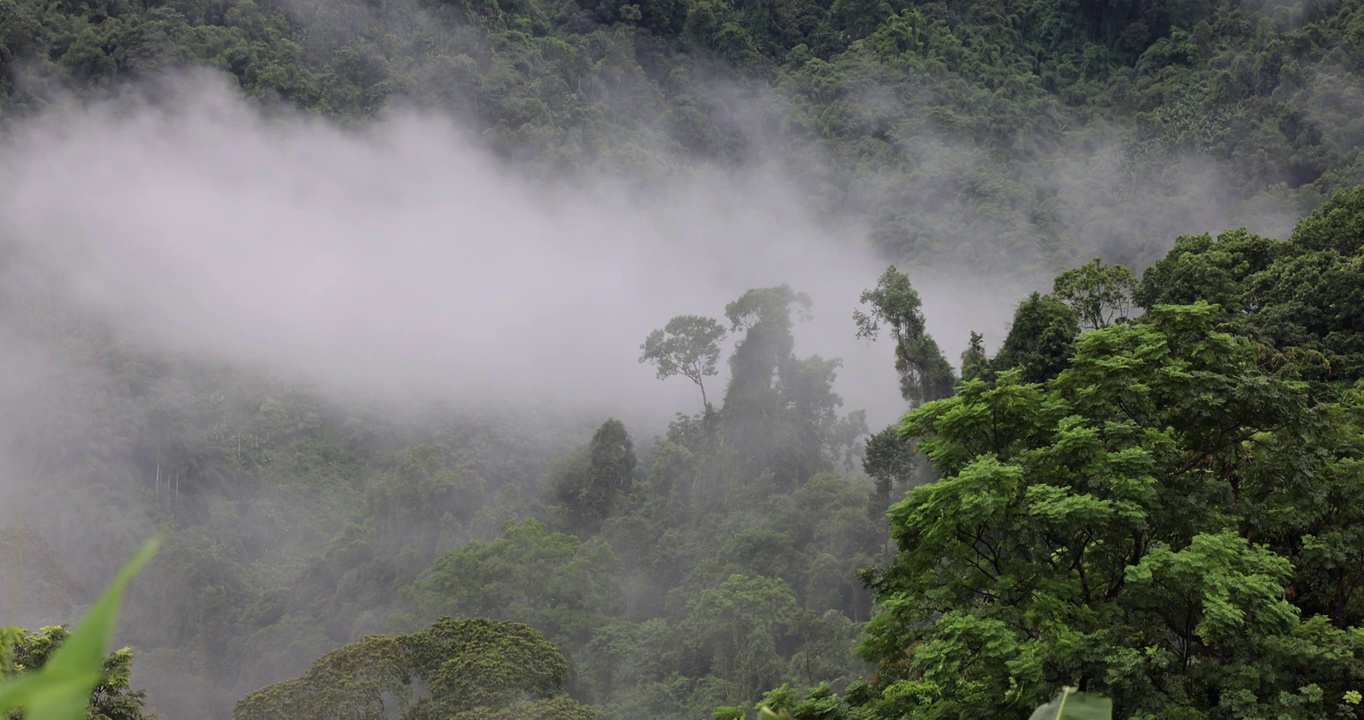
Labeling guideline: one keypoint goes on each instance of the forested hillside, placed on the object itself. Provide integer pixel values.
(372, 388)
(999, 133)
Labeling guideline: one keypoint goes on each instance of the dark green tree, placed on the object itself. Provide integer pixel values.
(1040, 340)
(1215, 271)
(594, 485)
(456, 668)
(1304, 298)
(891, 462)
(611, 470)
(975, 363)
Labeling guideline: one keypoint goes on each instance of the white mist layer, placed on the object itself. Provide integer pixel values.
(405, 258)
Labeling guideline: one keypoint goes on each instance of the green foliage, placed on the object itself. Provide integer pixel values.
(611, 463)
(63, 676)
(890, 461)
(780, 414)
(552, 581)
(1303, 297)
(736, 623)
(1072, 705)
(1101, 294)
(1199, 268)
(596, 484)
(113, 698)
(975, 363)
(1120, 509)
(422, 489)
(301, 524)
(725, 588)
(1041, 339)
(1142, 517)
(559, 708)
(785, 703)
(1095, 527)
(764, 314)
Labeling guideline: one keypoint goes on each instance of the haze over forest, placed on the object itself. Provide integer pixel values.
(561, 359)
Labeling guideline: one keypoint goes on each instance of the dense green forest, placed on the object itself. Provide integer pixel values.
(1149, 486)
(1152, 490)
(1005, 134)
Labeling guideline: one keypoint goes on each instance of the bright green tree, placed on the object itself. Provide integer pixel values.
(1130, 527)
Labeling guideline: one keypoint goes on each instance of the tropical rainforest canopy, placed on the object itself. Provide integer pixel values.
(1149, 486)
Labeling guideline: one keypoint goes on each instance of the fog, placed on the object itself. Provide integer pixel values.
(404, 258)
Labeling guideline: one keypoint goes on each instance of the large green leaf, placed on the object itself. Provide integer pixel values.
(1072, 705)
(16, 693)
(61, 689)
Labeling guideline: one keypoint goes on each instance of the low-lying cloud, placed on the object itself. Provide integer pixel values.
(404, 257)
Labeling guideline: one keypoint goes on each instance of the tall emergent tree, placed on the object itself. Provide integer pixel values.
(753, 403)
(611, 462)
(689, 345)
(925, 375)
(764, 314)
(780, 415)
